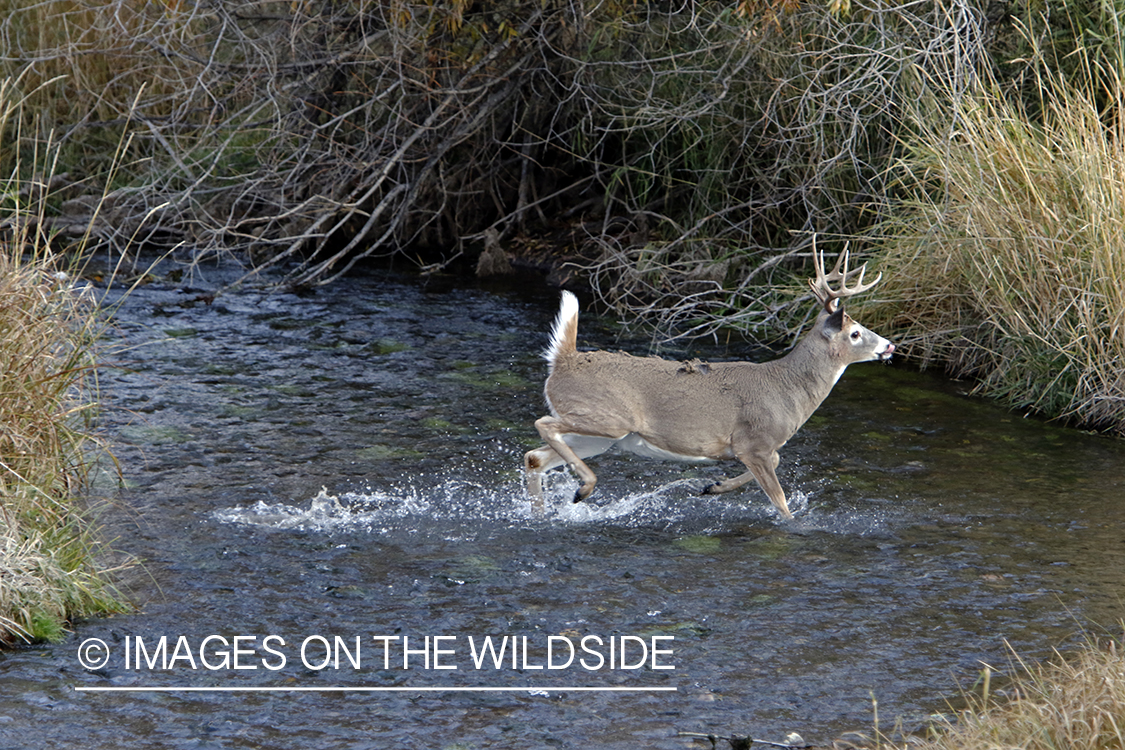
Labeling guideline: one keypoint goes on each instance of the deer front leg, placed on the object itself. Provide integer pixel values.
(551, 429)
(763, 470)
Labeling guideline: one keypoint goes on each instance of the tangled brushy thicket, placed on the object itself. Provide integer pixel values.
(681, 156)
(693, 143)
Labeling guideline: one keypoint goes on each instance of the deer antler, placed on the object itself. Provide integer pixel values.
(820, 285)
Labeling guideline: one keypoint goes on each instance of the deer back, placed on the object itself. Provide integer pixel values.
(695, 408)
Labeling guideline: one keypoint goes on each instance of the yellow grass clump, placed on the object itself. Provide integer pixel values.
(49, 570)
(1007, 260)
(1076, 703)
(51, 567)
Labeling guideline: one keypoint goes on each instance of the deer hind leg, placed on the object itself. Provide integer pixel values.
(535, 463)
(763, 470)
(559, 451)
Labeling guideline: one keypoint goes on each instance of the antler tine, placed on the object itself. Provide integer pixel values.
(859, 287)
(821, 284)
(818, 266)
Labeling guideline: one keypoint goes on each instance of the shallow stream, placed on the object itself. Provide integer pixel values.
(345, 464)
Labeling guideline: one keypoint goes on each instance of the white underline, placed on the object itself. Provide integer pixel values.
(332, 689)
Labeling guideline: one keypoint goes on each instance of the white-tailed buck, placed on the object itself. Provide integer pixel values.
(695, 411)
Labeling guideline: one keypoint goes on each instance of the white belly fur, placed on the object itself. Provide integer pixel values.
(587, 445)
(634, 443)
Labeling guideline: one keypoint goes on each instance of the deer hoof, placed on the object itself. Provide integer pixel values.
(582, 494)
(709, 489)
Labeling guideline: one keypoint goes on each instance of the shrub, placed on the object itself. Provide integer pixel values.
(682, 146)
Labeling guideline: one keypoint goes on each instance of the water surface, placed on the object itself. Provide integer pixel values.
(346, 463)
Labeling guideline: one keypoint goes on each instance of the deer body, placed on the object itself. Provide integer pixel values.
(693, 411)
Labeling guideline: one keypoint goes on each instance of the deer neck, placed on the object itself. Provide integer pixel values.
(809, 372)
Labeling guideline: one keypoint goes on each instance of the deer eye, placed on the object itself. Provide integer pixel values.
(855, 335)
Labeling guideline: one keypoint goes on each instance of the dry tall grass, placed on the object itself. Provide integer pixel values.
(50, 562)
(1076, 703)
(48, 558)
(1006, 263)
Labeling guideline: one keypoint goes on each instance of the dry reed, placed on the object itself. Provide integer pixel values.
(1006, 263)
(1075, 702)
(50, 559)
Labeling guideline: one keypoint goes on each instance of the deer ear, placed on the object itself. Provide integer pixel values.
(834, 323)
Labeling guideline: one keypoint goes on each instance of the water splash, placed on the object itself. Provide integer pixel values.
(461, 509)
